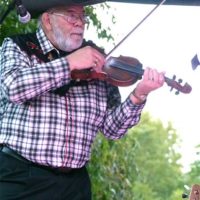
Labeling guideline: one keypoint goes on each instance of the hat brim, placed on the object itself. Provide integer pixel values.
(37, 7)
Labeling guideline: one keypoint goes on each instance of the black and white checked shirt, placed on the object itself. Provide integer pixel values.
(54, 130)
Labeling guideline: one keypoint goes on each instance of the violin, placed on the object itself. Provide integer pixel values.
(125, 71)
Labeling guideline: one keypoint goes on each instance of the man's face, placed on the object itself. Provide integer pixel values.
(68, 27)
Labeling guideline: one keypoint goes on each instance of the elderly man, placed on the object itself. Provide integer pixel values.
(48, 120)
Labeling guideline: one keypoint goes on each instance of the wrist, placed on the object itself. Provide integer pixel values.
(71, 67)
(139, 97)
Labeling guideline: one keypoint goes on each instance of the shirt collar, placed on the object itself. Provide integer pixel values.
(45, 44)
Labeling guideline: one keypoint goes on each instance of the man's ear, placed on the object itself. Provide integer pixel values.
(46, 21)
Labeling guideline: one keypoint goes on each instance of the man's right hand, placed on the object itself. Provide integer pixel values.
(85, 58)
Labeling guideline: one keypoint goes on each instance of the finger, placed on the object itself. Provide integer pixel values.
(161, 78)
(99, 57)
(151, 75)
(146, 74)
(99, 60)
(155, 77)
(95, 62)
(96, 65)
(95, 57)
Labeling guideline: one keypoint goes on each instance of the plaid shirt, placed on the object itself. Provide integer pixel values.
(54, 130)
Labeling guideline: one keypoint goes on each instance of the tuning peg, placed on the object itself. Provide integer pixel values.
(180, 80)
(173, 78)
(177, 93)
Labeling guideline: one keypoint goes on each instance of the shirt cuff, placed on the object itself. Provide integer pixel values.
(130, 107)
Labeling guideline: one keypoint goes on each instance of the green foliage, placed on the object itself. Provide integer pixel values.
(193, 176)
(142, 165)
(102, 32)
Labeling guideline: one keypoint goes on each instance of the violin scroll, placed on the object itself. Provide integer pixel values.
(186, 88)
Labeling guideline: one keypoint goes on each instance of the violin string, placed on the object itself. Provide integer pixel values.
(162, 2)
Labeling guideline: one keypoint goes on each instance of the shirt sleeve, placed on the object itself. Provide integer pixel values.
(23, 79)
(120, 116)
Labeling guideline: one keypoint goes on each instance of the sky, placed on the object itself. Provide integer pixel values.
(166, 41)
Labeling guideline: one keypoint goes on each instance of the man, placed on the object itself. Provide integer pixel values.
(48, 120)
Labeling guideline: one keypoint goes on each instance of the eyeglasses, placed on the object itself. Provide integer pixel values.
(72, 18)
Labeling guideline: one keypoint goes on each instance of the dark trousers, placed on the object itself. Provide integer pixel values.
(24, 181)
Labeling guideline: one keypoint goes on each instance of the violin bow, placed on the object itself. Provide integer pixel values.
(120, 42)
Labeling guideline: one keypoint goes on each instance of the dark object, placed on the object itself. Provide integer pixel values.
(10, 152)
(23, 15)
(185, 196)
(36, 7)
(195, 62)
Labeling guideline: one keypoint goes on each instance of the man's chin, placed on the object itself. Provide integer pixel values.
(70, 47)
(76, 45)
